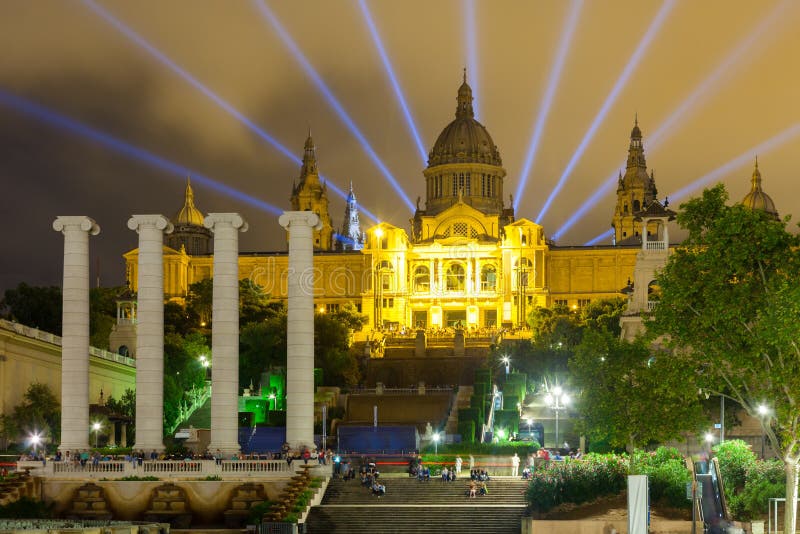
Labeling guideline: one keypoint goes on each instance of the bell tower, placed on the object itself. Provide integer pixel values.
(635, 191)
(311, 195)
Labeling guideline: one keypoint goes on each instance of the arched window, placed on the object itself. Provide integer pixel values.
(455, 277)
(488, 278)
(422, 279)
(636, 206)
(523, 272)
(123, 350)
(384, 271)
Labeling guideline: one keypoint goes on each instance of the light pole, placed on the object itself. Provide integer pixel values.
(377, 292)
(35, 440)
(436, 443)
(529, 421)
(96, 426)
(763, 411)
(709, 440)
(506, 360)
(557, 401)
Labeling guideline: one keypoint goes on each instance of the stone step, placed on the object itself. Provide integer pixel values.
(411, 519)
(411, 491)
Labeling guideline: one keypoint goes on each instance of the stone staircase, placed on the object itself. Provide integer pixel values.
(461, 401)
(413, 506)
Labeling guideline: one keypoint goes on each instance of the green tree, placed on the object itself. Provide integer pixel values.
(39, 413)
(39, 307)
(182, 371)
(332, 351)
(102, 314)
(730, 310)
(262, 345)
(199, 301)
(629, 396)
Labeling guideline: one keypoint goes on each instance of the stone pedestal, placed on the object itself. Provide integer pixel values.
(300, 328)
(150, 331)
(75, 331)
(421, 344)
(225, 332)
(458, 344)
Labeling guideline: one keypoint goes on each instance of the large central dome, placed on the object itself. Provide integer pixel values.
(464, 140)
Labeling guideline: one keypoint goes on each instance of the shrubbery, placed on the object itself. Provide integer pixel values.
(749, 483)
(667, 476)
(606, 474)
(576, 482)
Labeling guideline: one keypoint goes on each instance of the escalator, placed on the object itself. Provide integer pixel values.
(713, 507)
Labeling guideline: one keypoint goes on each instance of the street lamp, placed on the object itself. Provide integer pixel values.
(506, 360)
(436, 443)
(35, 440)
(96, 426)
(529, 421)
(557, 401)
(763, 412)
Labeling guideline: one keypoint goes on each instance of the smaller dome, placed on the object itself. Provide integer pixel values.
(757, 199)
(189, 214)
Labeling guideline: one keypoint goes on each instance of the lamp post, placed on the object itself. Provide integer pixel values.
(436, 443)
(529, 421)
(557, 401)
(506, 360)
(96, 426)
(377, 292)
(709, 437)
(763, 411)
(35, 440)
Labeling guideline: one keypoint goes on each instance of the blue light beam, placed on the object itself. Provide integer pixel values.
(688, 103)
(744, 158)
(219, 101)
(63, 122)
(547, 100)
(471, 36)
(651, 32)
(387, 64)
(605, 235)
(332, 100)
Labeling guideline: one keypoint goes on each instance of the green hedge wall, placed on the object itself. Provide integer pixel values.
(507, 419)
(467, 430)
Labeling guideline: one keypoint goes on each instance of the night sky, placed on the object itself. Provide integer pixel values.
(723, 76)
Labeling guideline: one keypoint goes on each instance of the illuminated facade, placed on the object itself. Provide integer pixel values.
(466, 258)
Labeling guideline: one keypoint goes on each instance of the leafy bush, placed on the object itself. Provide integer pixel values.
(735, 459)
(667, 475)
(134, 478)
(576, 482)
(26, 508)
(764, 480)
(505, 448)
(213, 477)
(257, 511)
(507, 420)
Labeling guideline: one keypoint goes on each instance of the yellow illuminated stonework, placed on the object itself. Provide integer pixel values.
(465, 260)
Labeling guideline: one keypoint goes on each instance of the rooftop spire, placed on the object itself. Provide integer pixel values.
(464, 99)
(189, 214)
(309, 158)
(755, 181)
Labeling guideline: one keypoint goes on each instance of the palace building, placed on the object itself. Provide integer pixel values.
(466, 259)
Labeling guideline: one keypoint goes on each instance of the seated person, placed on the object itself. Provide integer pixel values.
(445, 474)
(426, 473)
(484, 489)
(473, 489)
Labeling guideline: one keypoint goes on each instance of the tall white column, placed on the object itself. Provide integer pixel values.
(225, 332)
(150, 331)
(75, 331)
(300, 327)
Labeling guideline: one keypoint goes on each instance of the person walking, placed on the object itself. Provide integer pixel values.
(515, 465)
(459, 461)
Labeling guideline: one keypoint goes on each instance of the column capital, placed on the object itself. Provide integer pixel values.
(79, 222)
(159, 222)
(231, 219)
(300, 218)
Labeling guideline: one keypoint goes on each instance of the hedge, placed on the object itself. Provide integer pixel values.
(507, 419)
(467, 430)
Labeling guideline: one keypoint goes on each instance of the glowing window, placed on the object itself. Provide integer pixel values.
(455, 277)
(422, 279)
(488, 278)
